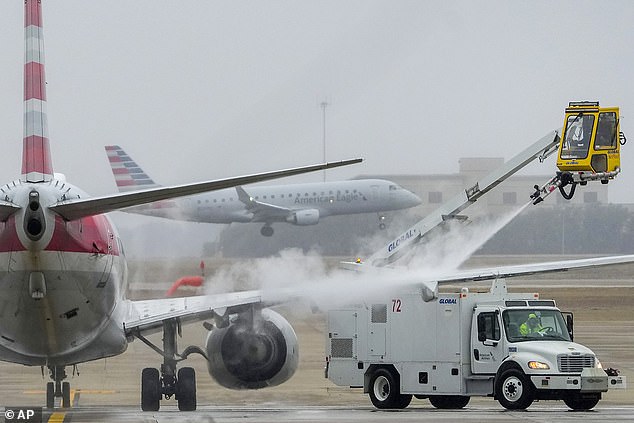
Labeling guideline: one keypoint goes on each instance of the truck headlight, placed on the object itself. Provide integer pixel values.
(538, 365)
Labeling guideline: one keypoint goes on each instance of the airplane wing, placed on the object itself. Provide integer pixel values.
(78, 208)
(262, 211)
(534, 268)
(426, 277)
(7, 209)
(148, 315)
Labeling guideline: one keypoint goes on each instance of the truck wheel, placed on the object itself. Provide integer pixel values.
(449, 402)
(587, 402)
(513, 390)
(384, 391)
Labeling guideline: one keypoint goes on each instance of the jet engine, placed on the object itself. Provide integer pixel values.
(257, 350)
(304, 217)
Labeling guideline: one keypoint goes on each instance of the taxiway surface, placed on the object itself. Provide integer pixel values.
(109, 390)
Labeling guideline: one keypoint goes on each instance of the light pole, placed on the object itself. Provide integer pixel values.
(323, 106)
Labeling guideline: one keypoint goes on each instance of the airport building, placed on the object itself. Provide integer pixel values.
(435, 189)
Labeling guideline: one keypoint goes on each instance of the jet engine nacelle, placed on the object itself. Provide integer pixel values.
(304, 217)
(253, 353)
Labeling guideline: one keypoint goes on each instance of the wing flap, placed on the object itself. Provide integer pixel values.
(149, 315)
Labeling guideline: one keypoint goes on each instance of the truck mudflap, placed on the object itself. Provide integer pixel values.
(590, 380)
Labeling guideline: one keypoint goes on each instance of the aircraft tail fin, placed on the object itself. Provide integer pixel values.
(127, 174)
(36, 154)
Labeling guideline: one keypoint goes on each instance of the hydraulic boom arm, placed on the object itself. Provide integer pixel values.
(449, 210)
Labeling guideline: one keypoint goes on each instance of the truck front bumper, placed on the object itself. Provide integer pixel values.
(590, 380)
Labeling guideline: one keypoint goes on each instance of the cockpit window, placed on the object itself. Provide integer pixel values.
(534, 325)
(577, 136)
(393, 187)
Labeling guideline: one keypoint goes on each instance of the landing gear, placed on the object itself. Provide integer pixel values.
(150, 389)
(581, 402)
(50, 395)
(266, 230)
(167, 383)
(186, 389)
(57, 389)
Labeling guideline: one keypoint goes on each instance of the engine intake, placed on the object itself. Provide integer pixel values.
(253, 353)
(304, 217)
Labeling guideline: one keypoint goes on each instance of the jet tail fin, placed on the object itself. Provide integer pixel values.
(36, 154)
(127, 174)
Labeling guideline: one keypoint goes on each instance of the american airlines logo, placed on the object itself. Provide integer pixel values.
(328, 199)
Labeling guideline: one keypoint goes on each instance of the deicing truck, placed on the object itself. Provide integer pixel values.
(513, 347)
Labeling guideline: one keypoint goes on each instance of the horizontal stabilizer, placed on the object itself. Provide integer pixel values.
(7, 209)
(78, 208)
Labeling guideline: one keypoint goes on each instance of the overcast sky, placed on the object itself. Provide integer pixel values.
(202, 89)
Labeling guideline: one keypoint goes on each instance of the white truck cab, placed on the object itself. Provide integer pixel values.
(513, 347)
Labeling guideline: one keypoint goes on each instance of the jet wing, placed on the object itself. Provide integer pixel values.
(78, 208)
(534, 268)
(262, 211)
(7, 209)
(398, 275)
(148, 315)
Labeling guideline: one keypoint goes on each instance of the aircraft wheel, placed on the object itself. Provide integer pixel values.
(577, 402)
(186, 389)
(449, 402)
(50, 395)
(384, 391)
(65, 395)
(150, 389)
(266, 230)
(513, 390)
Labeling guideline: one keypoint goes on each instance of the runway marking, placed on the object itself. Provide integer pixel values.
(85, 391)
(57, 418)
(74, 399)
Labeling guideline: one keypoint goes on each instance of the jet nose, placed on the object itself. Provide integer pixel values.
(404, 199)
(410, 199)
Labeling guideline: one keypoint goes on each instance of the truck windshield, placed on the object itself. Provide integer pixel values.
(534, 324)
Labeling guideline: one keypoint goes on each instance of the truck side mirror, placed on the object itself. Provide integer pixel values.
(570, 326)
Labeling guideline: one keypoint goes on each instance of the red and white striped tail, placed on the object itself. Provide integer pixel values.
(36, 153)
(127, 174)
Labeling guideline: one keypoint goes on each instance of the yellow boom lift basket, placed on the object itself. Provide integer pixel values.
(589, 149)
(591, 141)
